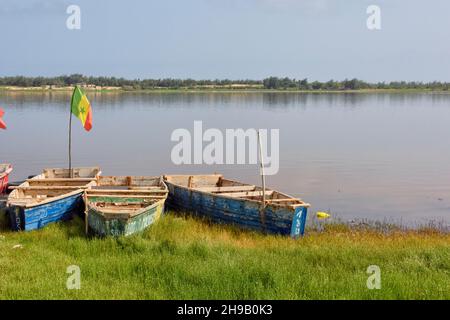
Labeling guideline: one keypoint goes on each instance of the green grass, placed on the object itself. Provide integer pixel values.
(184, 258)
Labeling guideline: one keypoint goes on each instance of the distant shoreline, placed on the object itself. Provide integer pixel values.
(208, 89)
(65, 83)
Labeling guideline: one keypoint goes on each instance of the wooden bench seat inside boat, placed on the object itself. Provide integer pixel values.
(131, 187)
(216, 189)
(129, 181)
(96, 190)
(136, 196)
(45, 188)
(59, 182)
(29, 196)
(124, 210)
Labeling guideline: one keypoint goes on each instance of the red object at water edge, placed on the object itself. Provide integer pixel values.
(2, 123)
(5, 170)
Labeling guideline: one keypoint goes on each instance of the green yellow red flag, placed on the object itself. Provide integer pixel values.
(81, 108)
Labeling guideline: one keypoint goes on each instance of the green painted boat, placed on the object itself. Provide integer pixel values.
(124, 205)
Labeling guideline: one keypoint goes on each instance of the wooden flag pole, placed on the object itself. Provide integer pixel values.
(70, 143)
(70, 137)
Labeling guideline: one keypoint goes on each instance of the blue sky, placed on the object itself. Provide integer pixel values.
(314, 39)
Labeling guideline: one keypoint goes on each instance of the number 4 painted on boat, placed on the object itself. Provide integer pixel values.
(298, 222)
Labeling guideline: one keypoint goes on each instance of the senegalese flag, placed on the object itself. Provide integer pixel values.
(81, 108)
(2, 124)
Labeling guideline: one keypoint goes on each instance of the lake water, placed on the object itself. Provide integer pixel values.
(375, 156)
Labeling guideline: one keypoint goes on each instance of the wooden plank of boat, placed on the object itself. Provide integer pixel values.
(282, 200)
(143, 188)
(33, 206)
(128, 196)
(112, 209)
(125, 192)
(130, 181)
(5, 170)
(246, 194)
(227, 189)
(229, 201)
(58, 182)
(43, 188)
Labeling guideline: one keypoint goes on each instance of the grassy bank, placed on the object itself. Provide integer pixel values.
(184, 258)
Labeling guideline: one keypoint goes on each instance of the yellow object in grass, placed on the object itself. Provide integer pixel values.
(322, 215)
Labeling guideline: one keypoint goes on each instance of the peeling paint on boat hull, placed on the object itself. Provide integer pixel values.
(101, 226)
(26, 219)
(247, 214)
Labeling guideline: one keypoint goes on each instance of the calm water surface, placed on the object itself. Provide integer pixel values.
(376, 156)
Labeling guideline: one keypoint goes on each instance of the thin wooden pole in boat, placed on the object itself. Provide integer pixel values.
(262, 213)
(261, 162)
(86, 212)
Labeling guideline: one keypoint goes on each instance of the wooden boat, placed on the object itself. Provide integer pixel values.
(49, 197)
(124, 205)
(229, 201)
(5, 170)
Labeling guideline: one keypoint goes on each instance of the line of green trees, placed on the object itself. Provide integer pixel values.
(353, 84)
(78, 79)
(169, 83)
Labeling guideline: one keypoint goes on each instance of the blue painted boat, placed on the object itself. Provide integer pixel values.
(55, 195)
(229, 201)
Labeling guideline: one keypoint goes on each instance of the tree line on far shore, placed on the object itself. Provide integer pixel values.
(275, 83)
(352, 84)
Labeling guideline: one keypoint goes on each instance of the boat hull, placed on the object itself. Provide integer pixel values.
(247, 214)
(26, 219)
(54, 195)
(102, 226)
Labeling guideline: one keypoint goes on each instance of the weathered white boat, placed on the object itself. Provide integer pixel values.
(124, 205)
(51, 196)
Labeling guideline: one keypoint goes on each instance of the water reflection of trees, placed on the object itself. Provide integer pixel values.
(216, 100)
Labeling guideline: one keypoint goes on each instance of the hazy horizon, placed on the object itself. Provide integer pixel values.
(228, 39)
(220, 79)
